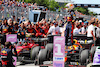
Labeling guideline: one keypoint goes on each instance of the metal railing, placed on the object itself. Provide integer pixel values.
(8, 12)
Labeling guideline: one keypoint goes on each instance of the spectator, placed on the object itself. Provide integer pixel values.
(77, 30)
(54, 30)
(21, 20)
(10, 29)
(39, 31)
(45, 29)
(97, 33)
(63, 29)
(84, 29)
(91, 30)
(31, 31)
(51, 24)
(4, 27)
(15, 29)
(22, 31)
(97, 29)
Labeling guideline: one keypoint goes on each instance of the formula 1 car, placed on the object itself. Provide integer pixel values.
(96, 59)
(81, 52)
(47, 53)
(29, 50)
(23, 49)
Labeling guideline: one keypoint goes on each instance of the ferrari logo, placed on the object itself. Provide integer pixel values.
(4, 52)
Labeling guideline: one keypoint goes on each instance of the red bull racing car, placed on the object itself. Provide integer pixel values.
(81, 52)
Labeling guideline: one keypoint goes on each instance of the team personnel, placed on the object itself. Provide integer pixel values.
(22, 31)
(97, 30)
(77, 30)
(4, 27)
(31, 31)
(39, 31)
(6, 55)
(91, 30)
(54, 30)
(83, 29)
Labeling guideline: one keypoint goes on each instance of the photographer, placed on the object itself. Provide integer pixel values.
(6, 55)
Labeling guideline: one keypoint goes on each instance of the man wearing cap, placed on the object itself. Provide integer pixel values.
(6, 55)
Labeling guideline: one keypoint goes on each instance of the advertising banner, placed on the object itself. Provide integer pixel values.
(11, 38)
(58, 51)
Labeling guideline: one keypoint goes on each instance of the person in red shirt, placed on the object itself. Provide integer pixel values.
(45, 28)
(4, 27)
(39, 31)
(31, 31)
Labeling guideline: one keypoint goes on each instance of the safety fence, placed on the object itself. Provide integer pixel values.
(9, 11)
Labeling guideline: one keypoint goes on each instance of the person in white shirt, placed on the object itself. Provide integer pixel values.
(97, 30)
(97, 33)
(54, 30)
(77, 30)
(91, 30)
(84, 28)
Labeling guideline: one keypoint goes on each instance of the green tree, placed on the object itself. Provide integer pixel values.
(92, 13)
(85, 11)
(29, 1)
(42, 2)
(53, 5)
(82, 10)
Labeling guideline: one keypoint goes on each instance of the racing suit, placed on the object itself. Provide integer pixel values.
(6, 57)
(69, 33)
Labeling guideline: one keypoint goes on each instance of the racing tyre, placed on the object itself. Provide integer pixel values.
(34, 52)
(49, 48)
(92, 51)
(84, 56)
(42, 56)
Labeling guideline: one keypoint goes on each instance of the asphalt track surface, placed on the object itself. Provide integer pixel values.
(32, 65)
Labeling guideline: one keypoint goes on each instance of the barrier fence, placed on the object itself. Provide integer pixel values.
(9, 11)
